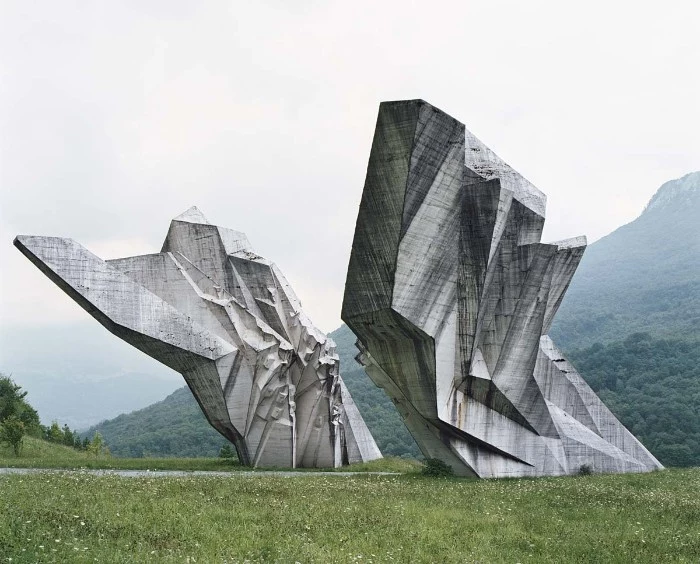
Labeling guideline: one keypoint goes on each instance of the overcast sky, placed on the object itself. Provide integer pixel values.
(117, 116)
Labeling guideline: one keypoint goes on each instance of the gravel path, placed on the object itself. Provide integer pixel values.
(184, 473)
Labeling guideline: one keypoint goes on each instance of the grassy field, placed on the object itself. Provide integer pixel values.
(41, 454)
(77, 517)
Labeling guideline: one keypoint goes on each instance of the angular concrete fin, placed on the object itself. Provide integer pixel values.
(370, 279)
(234, 241)
(558, 390)
(201, 244)
(186, 308)
(568, 257)
(574, 432)
(606, 424)
(115, 300)
(436, 159)
(163, 275)
(206, 285)
(504, 280)
(242, 288)
(487, 164)
(515, 366)
(452, 332)
(360, 444)
(483, 204)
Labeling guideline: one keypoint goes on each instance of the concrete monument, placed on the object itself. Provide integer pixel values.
(451, 295)
(210, 308)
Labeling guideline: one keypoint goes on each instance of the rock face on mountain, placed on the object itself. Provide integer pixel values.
(643, 277)
(210, 308)
(451, 294)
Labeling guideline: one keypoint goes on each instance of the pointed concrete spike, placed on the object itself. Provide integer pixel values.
(192, 215)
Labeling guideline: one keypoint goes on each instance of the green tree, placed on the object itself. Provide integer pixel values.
(10, 396)
(12, 403)
(12, 432)
(96, 444)
(436, 468)
(67, 436)
(54, 433)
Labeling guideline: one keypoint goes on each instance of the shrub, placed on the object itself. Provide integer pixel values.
(585, 470)
(97, 446)
(226, 452)
(436, 468)
(12, 432)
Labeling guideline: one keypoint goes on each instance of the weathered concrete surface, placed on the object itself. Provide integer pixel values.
(451, 294)
(208, 307)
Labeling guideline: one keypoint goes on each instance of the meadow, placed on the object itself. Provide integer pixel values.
(38, 453)
(78, 517)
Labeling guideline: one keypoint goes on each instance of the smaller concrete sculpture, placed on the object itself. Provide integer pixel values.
(210, 308)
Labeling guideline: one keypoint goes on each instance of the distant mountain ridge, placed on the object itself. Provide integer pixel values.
(81, 374)
(683, 191)
(644, 276)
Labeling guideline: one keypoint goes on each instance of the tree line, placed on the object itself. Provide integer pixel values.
(653, 386)
(19, 419)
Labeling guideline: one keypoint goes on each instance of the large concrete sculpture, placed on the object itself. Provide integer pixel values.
(208, 307)
(451, 295)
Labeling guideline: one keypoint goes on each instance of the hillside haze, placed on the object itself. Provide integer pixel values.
(644, 276)
(82, 374)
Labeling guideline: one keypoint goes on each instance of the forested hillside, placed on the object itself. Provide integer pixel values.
(175, 426)
(630, 322)
(653, 386)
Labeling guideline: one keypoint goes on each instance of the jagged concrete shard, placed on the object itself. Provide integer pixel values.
(451, 294)
(210, 308)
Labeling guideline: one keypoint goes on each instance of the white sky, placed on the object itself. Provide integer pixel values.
(117, 116)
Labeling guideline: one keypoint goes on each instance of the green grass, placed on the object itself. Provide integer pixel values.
(37, 453)
(42, 454)
(389, 464)
(78, 517)
(36, 448)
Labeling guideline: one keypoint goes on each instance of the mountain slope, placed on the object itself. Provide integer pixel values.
(175, 426)
(644, 276)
